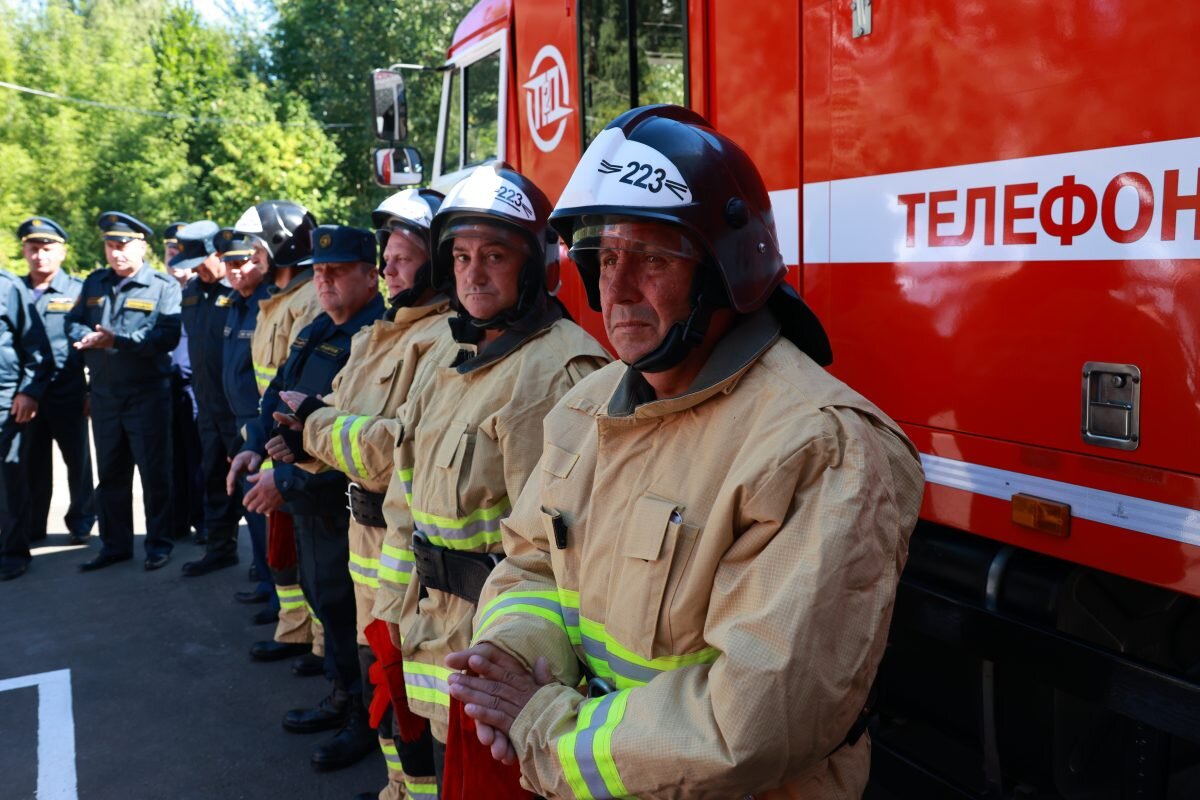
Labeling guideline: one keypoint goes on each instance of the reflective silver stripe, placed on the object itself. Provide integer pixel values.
(465, 532)
(540, 602)
(426, 682)
(393, 563)
(366, 572)
(598, 650)
(585, 754)
(346, 449)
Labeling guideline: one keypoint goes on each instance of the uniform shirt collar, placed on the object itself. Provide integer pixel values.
(59, 283)
(364, 316)
(141, 276)
(751, 336)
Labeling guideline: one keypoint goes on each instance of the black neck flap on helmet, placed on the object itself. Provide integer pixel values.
(410, 210)
(495, 201)
(666, 164)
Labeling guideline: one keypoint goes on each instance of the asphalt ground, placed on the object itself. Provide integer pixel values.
(166, 701)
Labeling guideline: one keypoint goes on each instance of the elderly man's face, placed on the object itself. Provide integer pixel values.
(643, 293)
(44, 256)
(244, 275)
(125, 257)
(402, 257)
(486, 274)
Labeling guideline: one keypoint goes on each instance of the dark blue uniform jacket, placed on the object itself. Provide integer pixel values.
(144, 316)
(237, 369)
(205, 309)
(317, 354)
(68, 386)
(26, 363)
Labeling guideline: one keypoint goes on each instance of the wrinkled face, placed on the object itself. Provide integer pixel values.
(211, 269)
(644, 289)
(486, 274)
(404, 254)
(125, 257)
(344, 287)
(44, 256)
(244, 275)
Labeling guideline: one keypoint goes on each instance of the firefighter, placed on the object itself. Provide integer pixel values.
(26, 369)
(187, 479)
(347, 284)
(63, 417)
(247, 277)
(471, 439)
(718, 526)
(126, 322)
(354, 429)
(205, 310)
(282, 235)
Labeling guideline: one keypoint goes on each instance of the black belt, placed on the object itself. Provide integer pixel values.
(452, 571)
(365, 507)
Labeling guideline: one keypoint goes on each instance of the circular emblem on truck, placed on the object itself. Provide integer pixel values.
(547, 98)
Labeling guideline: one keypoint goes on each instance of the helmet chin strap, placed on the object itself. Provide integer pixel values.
(707, 296)
(466, 329)
(421, 283)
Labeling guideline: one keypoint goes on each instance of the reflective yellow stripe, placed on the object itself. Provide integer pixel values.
(339, 454)
(263, 375)
(420, 789)
(395, 565)
(480, 527)
(427, 682)
(364, 570)
(312, 613)
(290, 596)
(266, 464)
(586, 752)
(355, 449)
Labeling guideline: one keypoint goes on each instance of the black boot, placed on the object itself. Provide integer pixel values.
(330, 713)
(355, 740)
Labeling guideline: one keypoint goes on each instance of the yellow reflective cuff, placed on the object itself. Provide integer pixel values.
(586, 752)
(355, 449)
(266, 464)
(427, 682)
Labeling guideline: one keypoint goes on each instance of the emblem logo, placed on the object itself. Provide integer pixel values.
(326, 240)
(228, 235)
(112, 218)
(547, 98)
(37, 223)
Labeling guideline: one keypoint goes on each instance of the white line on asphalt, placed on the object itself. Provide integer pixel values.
(56, 732)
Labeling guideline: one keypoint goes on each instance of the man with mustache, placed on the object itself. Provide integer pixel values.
(716, 531)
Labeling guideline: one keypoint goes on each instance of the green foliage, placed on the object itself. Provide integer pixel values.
(70, 161)
(325, 50)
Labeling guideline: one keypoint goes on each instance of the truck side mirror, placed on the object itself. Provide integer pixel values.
(398, 166)
(389, 106)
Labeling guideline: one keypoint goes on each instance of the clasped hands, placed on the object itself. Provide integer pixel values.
(494, 691)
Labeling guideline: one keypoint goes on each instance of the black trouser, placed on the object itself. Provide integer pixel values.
(132, 431)
(63, 424)
(187, 473)
(323, 546)
(222, 513)
(14, 495)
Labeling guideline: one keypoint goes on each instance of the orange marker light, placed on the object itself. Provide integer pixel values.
(1046, 516)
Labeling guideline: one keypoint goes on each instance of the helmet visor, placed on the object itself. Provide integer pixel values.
(484, 228)
(599, 234)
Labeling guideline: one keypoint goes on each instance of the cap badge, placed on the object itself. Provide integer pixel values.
(326, 240)
(112, 217)
(228, 235)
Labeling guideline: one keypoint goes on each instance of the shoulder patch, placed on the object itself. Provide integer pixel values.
(223, 301)
(228, 330)
(299, 343)
(246, 334)
(138, 304)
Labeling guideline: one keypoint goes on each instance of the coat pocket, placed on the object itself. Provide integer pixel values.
(655, 548)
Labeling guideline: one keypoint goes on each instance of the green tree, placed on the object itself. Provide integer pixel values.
(325, 52)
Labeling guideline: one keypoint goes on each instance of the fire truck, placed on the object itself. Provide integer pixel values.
(994, 207)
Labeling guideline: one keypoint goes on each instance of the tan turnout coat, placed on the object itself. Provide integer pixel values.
(727, 559)
(471, 441)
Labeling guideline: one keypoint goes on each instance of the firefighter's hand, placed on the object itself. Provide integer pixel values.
(242, 463)
(100, 339)
(264, 497)
(494, 692)
(24, 408)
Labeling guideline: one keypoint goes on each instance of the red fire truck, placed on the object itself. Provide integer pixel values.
(994, 206)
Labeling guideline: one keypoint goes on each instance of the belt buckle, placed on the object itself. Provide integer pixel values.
(350, 487)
